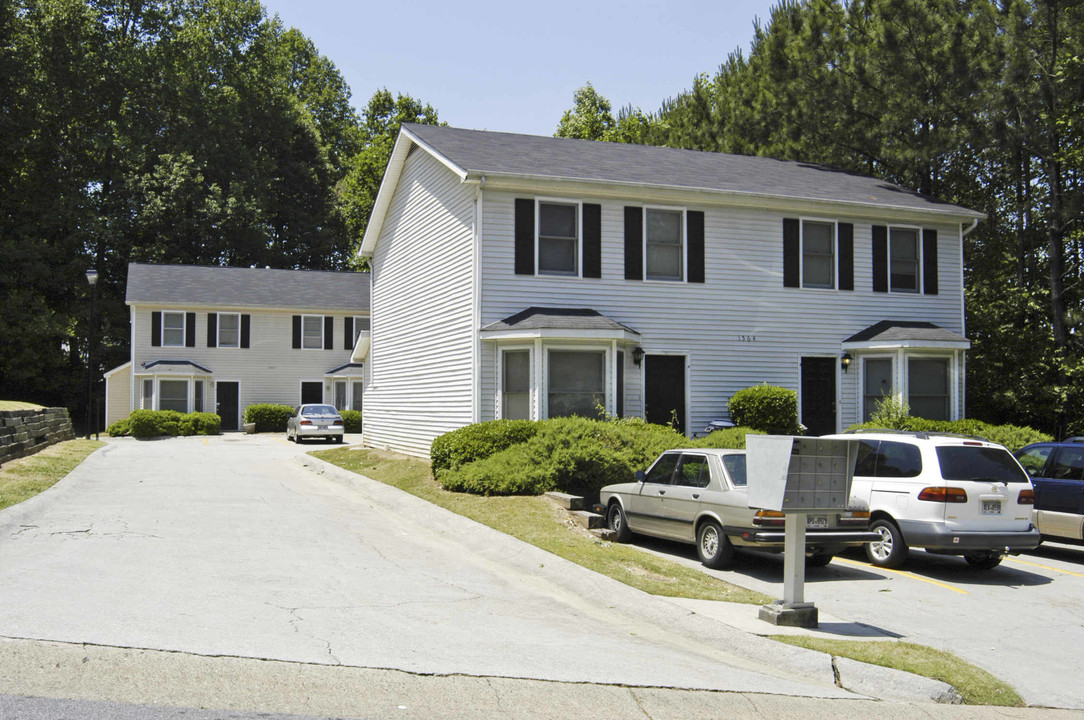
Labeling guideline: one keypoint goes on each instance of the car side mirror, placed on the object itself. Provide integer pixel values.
(640, 475)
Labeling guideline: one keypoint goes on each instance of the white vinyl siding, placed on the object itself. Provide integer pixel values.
(740, 328)
(423, 332)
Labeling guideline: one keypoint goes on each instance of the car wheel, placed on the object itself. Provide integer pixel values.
(818, 559)
(984, 560)
(616, 521)
(339, 439)
(713, 546)
(890, 551)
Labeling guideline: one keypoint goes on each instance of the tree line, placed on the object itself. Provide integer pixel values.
(977, 102)
(169, 131)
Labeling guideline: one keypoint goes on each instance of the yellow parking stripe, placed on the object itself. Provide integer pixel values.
(205, 440)
(1045, 567)
(901, 573)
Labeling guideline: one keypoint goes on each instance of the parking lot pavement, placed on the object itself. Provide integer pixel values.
(1022, 621)
(228, 547)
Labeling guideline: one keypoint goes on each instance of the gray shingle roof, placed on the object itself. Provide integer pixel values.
(900, 331)
(230, 287)
(493, 153)
(540, 318)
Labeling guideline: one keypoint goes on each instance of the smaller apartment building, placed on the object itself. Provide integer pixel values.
(218, 339)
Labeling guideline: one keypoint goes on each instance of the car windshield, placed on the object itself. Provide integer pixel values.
(735, 465)
(989, 464)
(319, 411)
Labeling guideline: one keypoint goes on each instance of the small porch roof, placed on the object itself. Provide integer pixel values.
(905, 334)
(347, 370)
(565, 323)
(178, 367)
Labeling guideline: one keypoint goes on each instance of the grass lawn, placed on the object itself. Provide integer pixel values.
(977, 686)
(539, 522)
(16, 405)
(26, 477)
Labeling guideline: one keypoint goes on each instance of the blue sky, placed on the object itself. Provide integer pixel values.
(513, 66)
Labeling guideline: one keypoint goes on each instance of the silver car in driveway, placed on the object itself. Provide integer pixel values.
(699, 496)
(315, 421)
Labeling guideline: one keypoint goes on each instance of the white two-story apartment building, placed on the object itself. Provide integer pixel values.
(218, 339)
(516, 276)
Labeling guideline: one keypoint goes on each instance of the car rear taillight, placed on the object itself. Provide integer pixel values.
(943, 494)
(769, 518)
(1027, 497)
(337, 423)
(305, 422)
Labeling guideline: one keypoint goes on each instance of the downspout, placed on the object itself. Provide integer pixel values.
(476, 303)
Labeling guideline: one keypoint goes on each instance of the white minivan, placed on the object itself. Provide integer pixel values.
(947, 494)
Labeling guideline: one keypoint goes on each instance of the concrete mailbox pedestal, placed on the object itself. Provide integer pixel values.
(797, 476)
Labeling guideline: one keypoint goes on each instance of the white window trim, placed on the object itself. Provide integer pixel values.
(918, 258)
(321, 323)
(544, 390)
(532, 390)
(538, 202)
(218, 331)
(835, 252)
(684, 229)
(184, 328)
(953, 379)
(894, 358)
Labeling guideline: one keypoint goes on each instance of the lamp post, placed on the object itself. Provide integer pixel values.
(92, 280)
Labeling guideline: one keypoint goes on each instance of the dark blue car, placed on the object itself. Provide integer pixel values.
(1057, 472)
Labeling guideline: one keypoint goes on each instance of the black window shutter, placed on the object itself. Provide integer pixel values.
(246, 329)
(348, 333)
(846, 256)
(880, 258)
(524, 236)
(297, 332)
(791, 253)
(190, 329)
(212, 329)
(634, 243)
(156, 329)
(694, 221)
(929, 262)
(592, 240)
(329, 333)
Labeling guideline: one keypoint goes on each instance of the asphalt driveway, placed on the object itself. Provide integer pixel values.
(229, 547)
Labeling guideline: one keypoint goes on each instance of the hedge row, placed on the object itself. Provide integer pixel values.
(351, 420)
(269, 417)
(154, 423)
(768, 408)
(1013, 437)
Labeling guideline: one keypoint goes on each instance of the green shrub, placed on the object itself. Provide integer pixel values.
(119, 429)
(731, 438)
(476, 442)
(351, 420)
(574, 455)
(155, 423)
(767, 408)
(891, 412)
(1013, 437)
(268, 417)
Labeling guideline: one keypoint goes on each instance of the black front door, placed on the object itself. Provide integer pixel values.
(664, 390)
(312, 392)
(819, 395)
(226, 404)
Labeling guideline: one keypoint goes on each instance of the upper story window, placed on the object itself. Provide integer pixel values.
(361, 324)
(312, 332)
(558, 238)
(664, 241)
(903, 253)
(229, 330)
(173, 329)
(818, 254)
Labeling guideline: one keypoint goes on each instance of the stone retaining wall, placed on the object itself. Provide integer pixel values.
(25, 432)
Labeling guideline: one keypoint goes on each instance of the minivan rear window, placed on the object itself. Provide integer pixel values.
(983, 464)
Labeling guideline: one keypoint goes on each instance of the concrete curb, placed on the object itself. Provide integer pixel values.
(652, 615)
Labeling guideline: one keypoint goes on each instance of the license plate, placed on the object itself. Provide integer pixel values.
(991, 507)
(816, 521)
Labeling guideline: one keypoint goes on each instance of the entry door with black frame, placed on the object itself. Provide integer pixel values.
(226, 403)
(664, 390)
(312, 392)
(819, 395)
